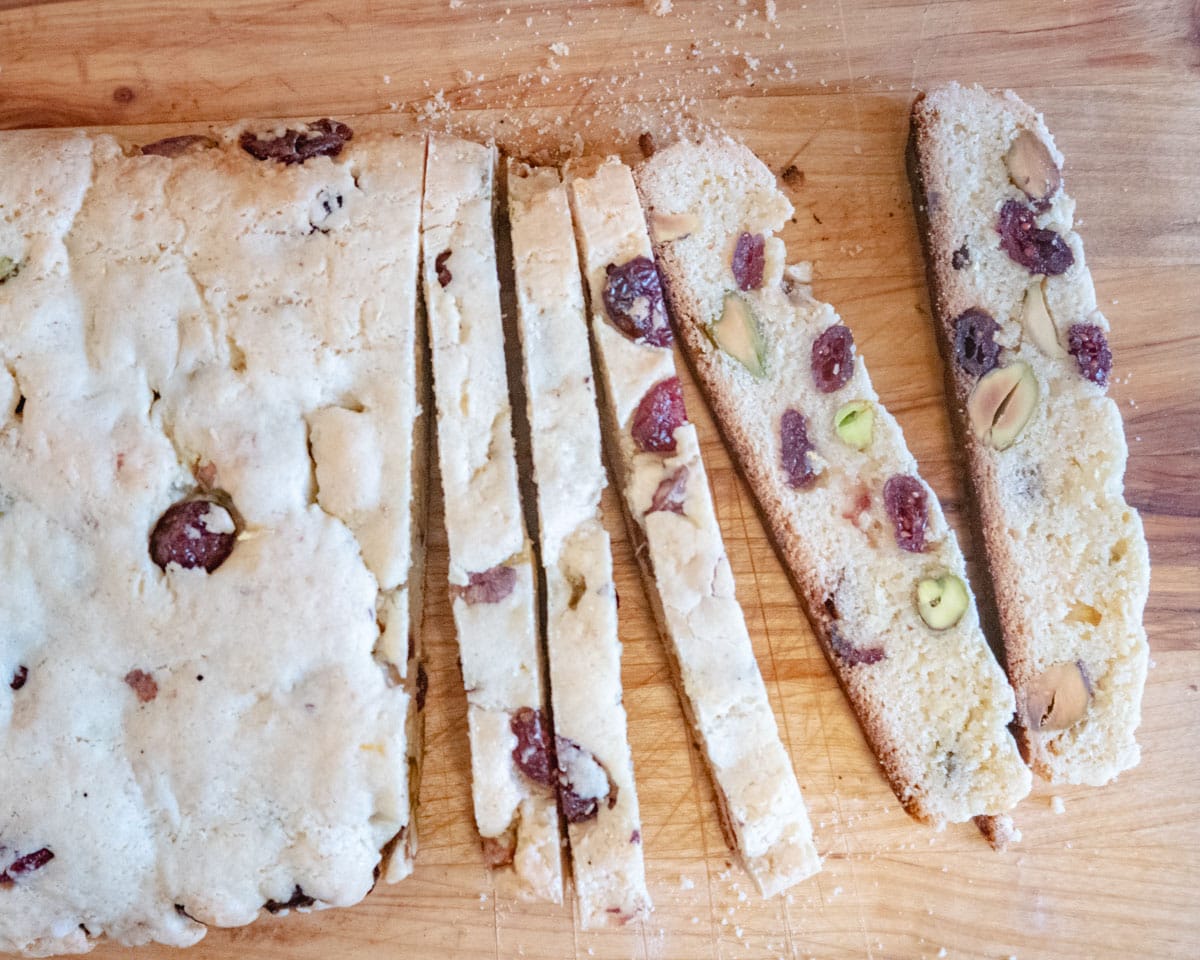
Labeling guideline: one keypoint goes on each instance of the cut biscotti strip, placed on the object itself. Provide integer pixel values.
(595, 769)
(876, 566)
(208, 506)
(656, 454)
(492, 578)
(1027, 363)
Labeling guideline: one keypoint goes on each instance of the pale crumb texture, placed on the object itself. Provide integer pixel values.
(934, 704)
(497, 637)
(191, 746)
(594, 759)
(1067, 554)
(686, 570)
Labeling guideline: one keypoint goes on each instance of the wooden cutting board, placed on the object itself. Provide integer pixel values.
(826, 87)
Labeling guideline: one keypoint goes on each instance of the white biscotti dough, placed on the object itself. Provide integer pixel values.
(179, 324)
(497, 631)
(595, 766)
(687, 573)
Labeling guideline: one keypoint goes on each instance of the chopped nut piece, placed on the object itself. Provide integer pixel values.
(1039, 324)
(855, 423)
(1002, 403)
(1031, 167)
(942, 600)
(739, 335)
(1058, 697)
(672, 226)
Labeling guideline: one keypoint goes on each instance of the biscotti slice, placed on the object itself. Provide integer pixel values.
(1027, 363)
(655, 452)
(863, 537)
(492, 578)
(208, 405)
(595, 769)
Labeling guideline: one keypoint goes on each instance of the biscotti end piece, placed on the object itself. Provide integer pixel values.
(671, 519)
(492, 576)
(221, 725)
(597, 792)
(1015, 311)
(821, 454)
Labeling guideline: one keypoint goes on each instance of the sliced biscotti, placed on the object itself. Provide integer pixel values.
(876, 566)
(655, 452)
(595, 769)
(492, 578)
(1027, 363)
(207, 503)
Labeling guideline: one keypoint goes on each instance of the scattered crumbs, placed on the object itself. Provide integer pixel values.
(591, 951)
(1069, 845)
(483, 898)
(387, 78)
(772, 17)
(686, 883)
(941, 951)
(660, 8)
(695, 919)
(456, 4)
(1115, 301)
(737, 931)
(1057, 805)
(560, 49)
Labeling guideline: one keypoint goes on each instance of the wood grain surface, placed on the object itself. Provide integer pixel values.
(825, 86)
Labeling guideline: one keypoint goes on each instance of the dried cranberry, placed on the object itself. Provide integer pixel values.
(143, 684)
(647, 144)
(193, 533)
(324, 138)
(25, 865)
(635, 837)
(532, 753)
(299, 901)
(633, 300)
(422, 686)
(907, 504)
(499, 851)
(851, 654)
(795, 448)
(960, 258)
(583, 782)
(1036, 249)
(487, 586)
(975, 345)
(444, 276)
(177, 146)
(670, 493)
(20, 675)
(1089, 347)
(749, 258)
(833, 358)
(658, 416)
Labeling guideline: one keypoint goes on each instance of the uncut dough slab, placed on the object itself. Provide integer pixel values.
(594, 760)
(497, 633)
(685, 570)
(208, 316)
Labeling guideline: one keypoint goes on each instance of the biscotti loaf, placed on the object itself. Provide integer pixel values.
(492, 578)
(863, 537)
(1027, 364)
(655, 453)
(597, 793)
(209, 446)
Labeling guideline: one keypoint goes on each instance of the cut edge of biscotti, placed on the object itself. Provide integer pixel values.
(493, 582)
(1066, 553)
(897, 623)
(671, 519)
(597, 791)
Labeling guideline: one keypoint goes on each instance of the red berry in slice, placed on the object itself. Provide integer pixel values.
(658, 416)
(633, 300)
(1035, 248)
(487, 586)
(299, 901)
(907, 504)
(25, 865)
(975, 345)
(795, 448)
(583, 782)
(670, 493)
(143, 684)
(851, 654)
(532, 753)
(1089, 347)
(20, 675)
(833, 358)
(193, 533)
(749, 258)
